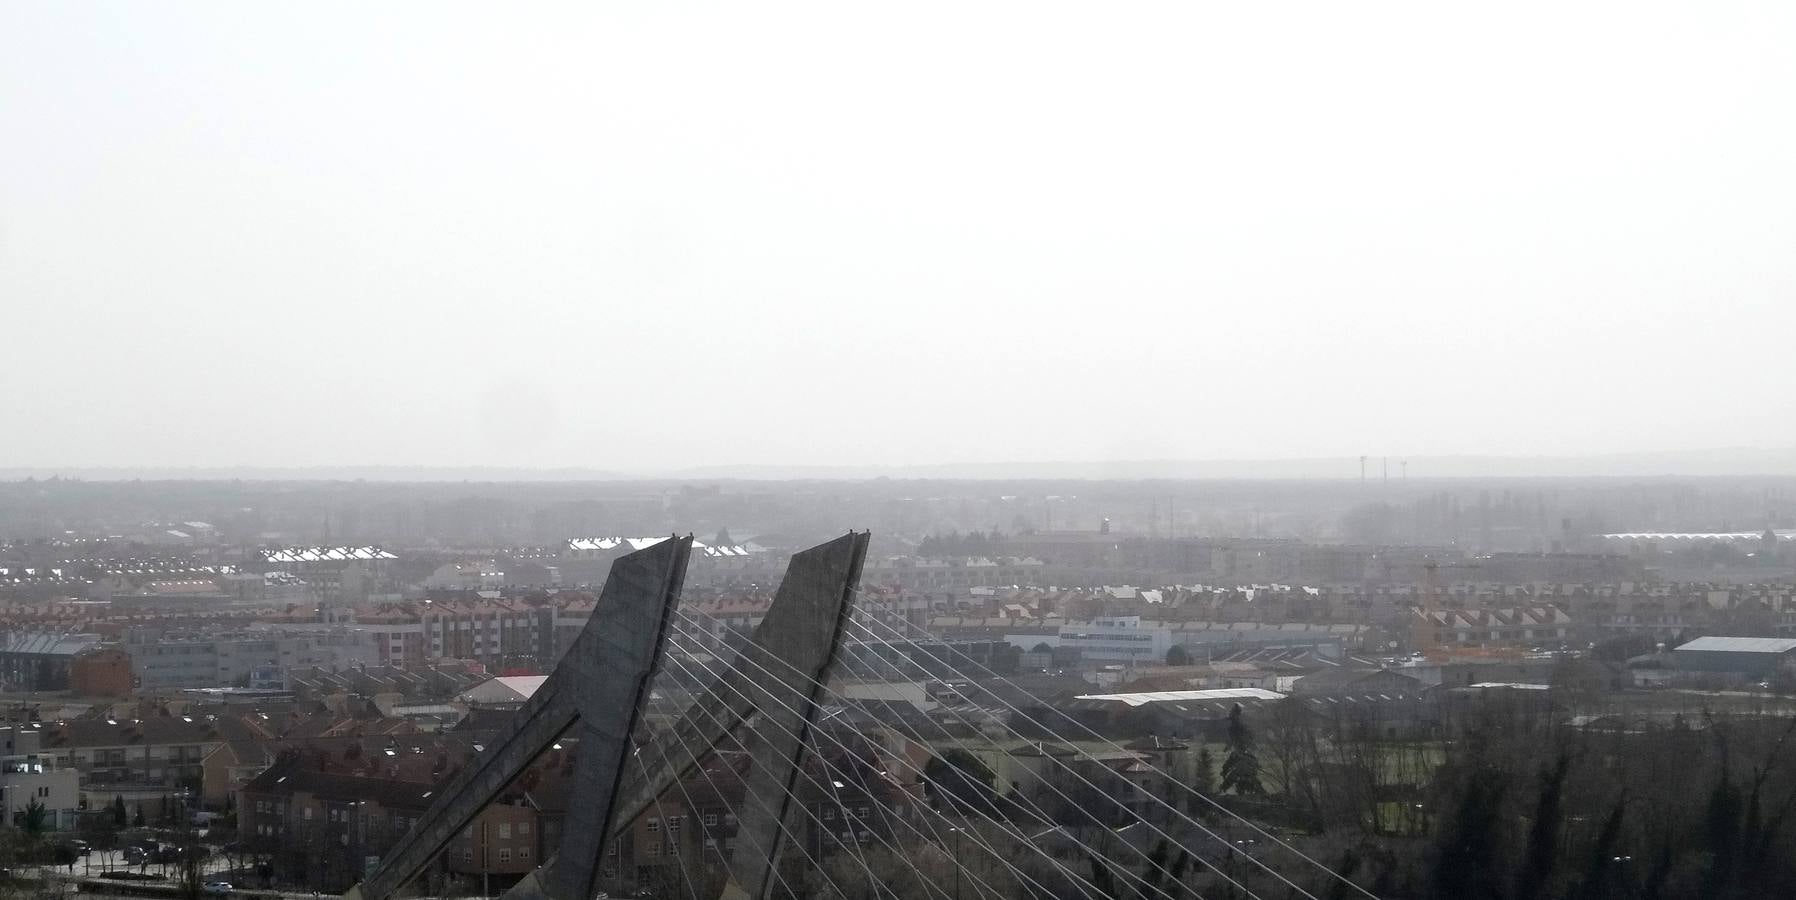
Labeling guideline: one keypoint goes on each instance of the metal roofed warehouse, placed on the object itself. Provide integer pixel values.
(1753, 656)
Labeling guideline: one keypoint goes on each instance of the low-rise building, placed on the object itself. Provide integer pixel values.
(328, 828)
(1484, 627)
(1743, 656)
(29, 777)
(102, 672)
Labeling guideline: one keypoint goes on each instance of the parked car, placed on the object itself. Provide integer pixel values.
(218, 887)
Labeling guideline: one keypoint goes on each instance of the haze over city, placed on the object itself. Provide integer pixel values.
(933, 451)
(646, 239)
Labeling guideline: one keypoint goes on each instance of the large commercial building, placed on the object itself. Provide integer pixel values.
(164, 660)
(1759, 657)
(41, 661)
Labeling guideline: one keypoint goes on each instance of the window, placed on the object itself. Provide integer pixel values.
(673, 824)
(523, 853)
(505, 854)
(308, 814)
(523, 828)
(711, 819)
(467, 854)
(505, 830)
(862, 812)
(654, 826)
(829, 813)
(654, 850)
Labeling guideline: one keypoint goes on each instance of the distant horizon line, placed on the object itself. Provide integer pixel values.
(1717, 462)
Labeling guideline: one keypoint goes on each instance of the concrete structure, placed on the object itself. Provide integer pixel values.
(803, 633)
(776, 678)
(600, 685)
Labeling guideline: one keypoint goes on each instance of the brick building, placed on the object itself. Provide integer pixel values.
(102, 672)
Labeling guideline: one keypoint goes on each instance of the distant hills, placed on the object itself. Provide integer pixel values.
(1727, 462)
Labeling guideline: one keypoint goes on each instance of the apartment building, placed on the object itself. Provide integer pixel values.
(505, 632)
(28, 776)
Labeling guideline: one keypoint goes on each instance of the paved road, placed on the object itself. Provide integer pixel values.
(99, 861)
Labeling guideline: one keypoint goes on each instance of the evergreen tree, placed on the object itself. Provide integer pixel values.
(1543, 837)
(1600, 871)
(35, 819)
(119, 816)
(958, 781)
(1240, 768)
(1466, 866)
(1206, 772)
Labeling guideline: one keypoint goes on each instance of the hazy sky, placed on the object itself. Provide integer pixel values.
(659, 235)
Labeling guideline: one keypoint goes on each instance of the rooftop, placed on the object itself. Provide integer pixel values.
(1740, 645)
(324, 554)
(638, 543)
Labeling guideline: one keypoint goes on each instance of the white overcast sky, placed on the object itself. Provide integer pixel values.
(659, 235)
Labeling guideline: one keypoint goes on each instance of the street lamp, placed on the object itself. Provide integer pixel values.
(956, 830)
